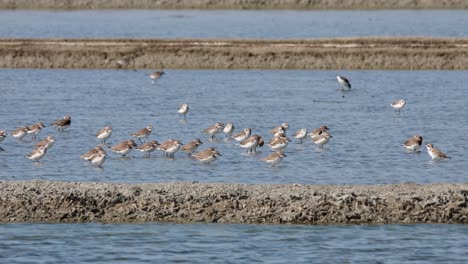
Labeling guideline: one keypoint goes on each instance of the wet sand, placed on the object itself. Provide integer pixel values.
(341, 53)
(45, 201)
(234, 4)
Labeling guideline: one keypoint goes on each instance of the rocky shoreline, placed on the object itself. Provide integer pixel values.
(183, 202)
(234, 4)
(341, 53)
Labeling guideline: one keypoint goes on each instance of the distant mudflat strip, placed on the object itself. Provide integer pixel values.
(234, 4)
(350, 53)
(45, 201)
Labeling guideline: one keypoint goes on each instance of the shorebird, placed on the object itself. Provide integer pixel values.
(280, 129)
(208, 155)
(47, 142)
(91, 153)
(37, 154)
(123, 62)
(243, 135)
(228, 129)
(398, 104)
(143, 133)
(252, 143)
(3, 135)
(183, 110)
(191, 146)
(318, 131)
(104, 133)
(63, 123)
(279, 142)
(413, 143)
(322, 139)
(35, 129)
(274, 158)
(214, 129)
(300, 134)
(98, 159)
(344, 82)
(156, 75)
(435, 153)
(124, 147)
(19, 133)
(170, 147)
(148, 147)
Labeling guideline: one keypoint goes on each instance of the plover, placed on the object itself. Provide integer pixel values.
(104, 133)
(398, 104)
(300, 134)
(143, 133)
(91, 153)
(63, 123)
(278, 129)
(124, 147)
(191, 146)
(279, 142)
(318, 131)
(3, 135)
(208, 155)
(170, 147)
(156, 75)
(183, 110)
(98, 159)
(19, 133)
(228, 129)
(47, 142)
(251, 143)
(243, 135)
(37, 154)
(35, 129)
(413, 143)
(435, 153)
(148, 147)
(344, 82)
(274, 158)
(123, 62)
(322, 139)
(214, 129)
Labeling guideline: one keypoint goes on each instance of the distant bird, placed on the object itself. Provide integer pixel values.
(243, 135)
(318, 131)
(278, 129)
(322, 139)
(98, 159)
(35, 129)
(143, 133)
(104, 133)
(208, 155)
(124, 147)
(156, 75)
(252, 143)
(413, 143)
(274, 158)
(214, 129)
(279, 142)
(63, 123)
(47, 142)
(228, 129)
(148, 147)
(191, 146)
(170, 147)
(90, 154)
(435, 153)
(123, 62)
(398, 104)
(300, 134)
(19, 132)
(183, 110)
(3, 135)
(344, 82)
(37, 154)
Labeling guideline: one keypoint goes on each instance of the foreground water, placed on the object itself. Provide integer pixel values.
(202, 243)
(232, 24)
(367, 132)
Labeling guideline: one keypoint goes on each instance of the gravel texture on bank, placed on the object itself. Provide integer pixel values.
(345, 53)
(234, 4)
(181, 202)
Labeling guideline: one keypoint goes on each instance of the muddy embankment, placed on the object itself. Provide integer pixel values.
(234, 4)
(350, 53)
(44, 201)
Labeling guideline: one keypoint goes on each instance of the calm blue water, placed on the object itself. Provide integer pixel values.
(219, 243)
(366, 148)
(232, 24)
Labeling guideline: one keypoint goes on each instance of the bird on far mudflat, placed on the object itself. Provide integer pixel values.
(344, 83)
(154, 76)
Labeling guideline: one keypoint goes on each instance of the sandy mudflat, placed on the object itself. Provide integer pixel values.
(234, 4)
(346, 53)
(45, 201)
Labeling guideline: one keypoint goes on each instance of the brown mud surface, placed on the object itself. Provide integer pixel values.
(341, 53)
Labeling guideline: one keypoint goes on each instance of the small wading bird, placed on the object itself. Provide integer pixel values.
(251, 143)
(143, 133)
(228, 129)
(413, 143)
(280, 129)
(47, 142)
(398, 104)
(19, 132)
(322, 139)
(104, 134)
(35, 129)
(63, 123)
(37, 154)
(300, 134)
(243, 135)
(274, 158)
(318, 131)
(191, 146)
(344, 83)
(208, 155)
(89, 155)
(183, 110)
(3, 135)
(435, 153)
(214, 129)
(148, 147)
(124, 147)
(156, 75)
(170, 147)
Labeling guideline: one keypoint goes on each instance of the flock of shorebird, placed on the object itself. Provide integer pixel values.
(278, 143)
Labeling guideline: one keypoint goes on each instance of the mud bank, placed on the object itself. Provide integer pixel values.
(350, 53)
(234, 4)
(44, 201)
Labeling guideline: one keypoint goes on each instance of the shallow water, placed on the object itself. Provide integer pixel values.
(202, 243)
(231, 24)
(367, 132)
